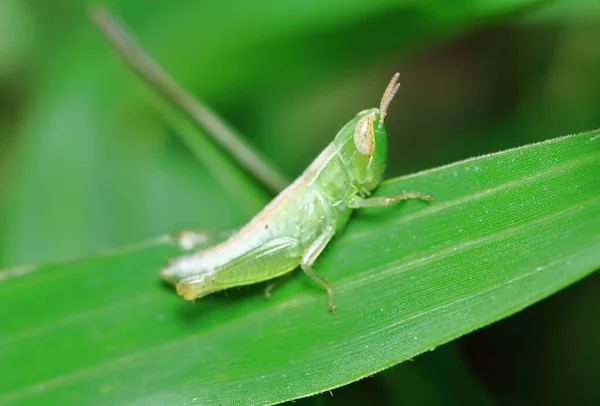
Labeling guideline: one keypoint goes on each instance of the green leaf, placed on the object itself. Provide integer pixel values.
(506, 230)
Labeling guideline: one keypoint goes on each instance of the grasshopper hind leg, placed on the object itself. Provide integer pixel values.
(262, 263)
(276, 258)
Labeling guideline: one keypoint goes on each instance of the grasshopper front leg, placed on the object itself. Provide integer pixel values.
(359, 202)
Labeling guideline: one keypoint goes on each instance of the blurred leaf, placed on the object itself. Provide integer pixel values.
(17, 35)
(506, 230)
(92, 151)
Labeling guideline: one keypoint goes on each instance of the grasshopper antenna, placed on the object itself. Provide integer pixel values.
(388, 95)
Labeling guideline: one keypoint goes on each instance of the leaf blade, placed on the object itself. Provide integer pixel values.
(506, 230)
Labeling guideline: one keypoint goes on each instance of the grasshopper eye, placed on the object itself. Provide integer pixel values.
(364, 136)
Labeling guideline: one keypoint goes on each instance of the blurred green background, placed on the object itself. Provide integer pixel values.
(87, 162)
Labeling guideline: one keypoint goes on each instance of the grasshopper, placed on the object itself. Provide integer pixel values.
(296, 226)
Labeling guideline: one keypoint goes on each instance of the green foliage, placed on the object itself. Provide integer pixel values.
(88, 163)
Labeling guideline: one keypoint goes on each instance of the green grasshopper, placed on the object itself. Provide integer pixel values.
(297, 225)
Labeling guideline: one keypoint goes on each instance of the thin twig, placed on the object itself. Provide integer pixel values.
(207, 120)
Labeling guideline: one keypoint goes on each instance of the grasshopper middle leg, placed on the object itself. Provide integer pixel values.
(309, 258)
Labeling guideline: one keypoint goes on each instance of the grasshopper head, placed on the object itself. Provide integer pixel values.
(363, 142)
